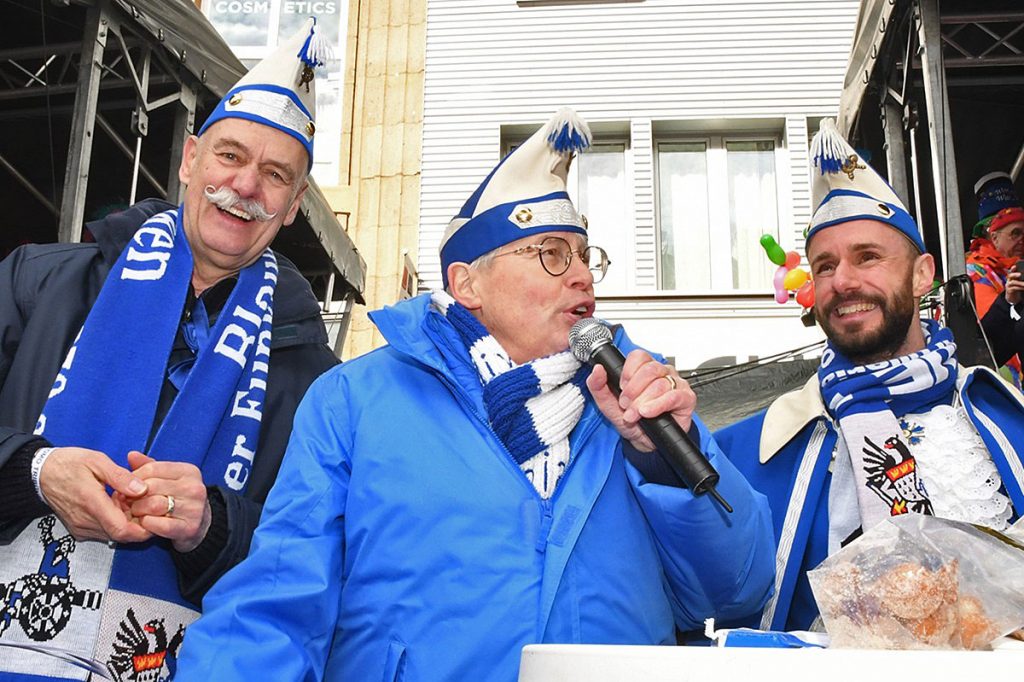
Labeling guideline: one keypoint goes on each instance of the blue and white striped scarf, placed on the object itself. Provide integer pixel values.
(532, 407)
(866, 401)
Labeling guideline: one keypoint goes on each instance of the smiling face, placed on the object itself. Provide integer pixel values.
(258, 163)
(867, 281)
(528, 311)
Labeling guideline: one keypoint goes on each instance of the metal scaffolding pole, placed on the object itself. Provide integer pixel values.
(184, 125)
(128, 152)
(76, 177)
(940, 134)
(895, 154)
(344, 323)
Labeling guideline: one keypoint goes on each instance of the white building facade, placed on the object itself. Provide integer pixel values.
(701, 111)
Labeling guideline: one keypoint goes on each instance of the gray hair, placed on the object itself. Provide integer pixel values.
(481, 262)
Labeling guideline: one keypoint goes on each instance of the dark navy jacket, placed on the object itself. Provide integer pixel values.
(46, 292)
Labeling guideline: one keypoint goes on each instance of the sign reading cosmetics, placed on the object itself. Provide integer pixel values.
(253, 27)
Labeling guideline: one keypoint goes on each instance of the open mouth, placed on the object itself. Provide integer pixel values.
(581, 311)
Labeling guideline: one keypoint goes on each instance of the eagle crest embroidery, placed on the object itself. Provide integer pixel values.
(892, 475)
(142, 653)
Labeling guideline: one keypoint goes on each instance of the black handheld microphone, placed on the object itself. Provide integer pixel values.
(591, 342)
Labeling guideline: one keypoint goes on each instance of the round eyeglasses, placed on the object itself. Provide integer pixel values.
(556, 255)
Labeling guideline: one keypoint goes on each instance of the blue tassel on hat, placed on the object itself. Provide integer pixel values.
(567, 133)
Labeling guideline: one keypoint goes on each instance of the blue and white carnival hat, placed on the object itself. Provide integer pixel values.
(280, 91)
(845, 188)
(524, 195)
(995, 192)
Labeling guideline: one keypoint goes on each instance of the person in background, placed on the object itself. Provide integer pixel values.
(470, 488)
(997, 246)
(164, 363)
(1004, 322)
(891, 424)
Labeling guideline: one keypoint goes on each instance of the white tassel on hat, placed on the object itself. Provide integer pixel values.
(829, 151)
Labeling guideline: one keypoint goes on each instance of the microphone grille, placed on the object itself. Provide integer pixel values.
(586, 336)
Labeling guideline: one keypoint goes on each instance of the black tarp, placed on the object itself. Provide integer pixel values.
(728, 395)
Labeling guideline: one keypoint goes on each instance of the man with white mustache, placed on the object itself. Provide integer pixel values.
(891, 423)
(181, 346)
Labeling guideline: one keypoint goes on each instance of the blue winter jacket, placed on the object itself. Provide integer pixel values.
(401, 540)
(786, 451)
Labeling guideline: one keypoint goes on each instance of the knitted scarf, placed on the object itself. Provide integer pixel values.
(120, 605)
(866, 400)
(532, 407)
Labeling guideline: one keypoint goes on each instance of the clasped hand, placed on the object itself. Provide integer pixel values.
(74, 481)
(648, 389)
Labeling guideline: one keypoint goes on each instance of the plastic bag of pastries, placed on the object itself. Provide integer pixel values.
(921, 582)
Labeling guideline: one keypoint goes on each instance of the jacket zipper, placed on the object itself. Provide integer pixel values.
(547, 505)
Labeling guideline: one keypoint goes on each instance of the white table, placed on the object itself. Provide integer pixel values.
(594, 663)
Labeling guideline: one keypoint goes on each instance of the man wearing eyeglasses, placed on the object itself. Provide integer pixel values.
(465, 490)
(992, 266)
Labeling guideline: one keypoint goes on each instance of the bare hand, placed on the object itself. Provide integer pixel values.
(73, 480)
(1014, 288)
(647, 392)
(188, 524)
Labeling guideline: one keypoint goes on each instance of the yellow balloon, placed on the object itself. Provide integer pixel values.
(795, 279)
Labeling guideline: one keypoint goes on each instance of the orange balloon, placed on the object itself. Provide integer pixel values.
(805, 295)
(792, 260)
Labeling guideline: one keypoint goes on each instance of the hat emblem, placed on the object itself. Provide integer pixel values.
(235, 99)
(307, 77)
(851, 165)
(524, 215)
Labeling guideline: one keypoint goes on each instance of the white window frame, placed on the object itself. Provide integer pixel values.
(719, 238)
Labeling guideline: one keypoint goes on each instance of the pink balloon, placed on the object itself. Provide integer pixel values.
(792, 259)
(781, 295)
(780, 275)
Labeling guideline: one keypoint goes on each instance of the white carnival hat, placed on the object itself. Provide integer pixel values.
(524, 195)
(845, 188)
(280, 91)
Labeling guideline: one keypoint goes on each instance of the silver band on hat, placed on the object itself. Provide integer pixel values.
(845, 207)
(545, 213)
(272, 106)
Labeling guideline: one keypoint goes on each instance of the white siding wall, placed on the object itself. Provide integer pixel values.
(641, 64)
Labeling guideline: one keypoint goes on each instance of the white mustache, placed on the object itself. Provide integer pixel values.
(226, 198)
